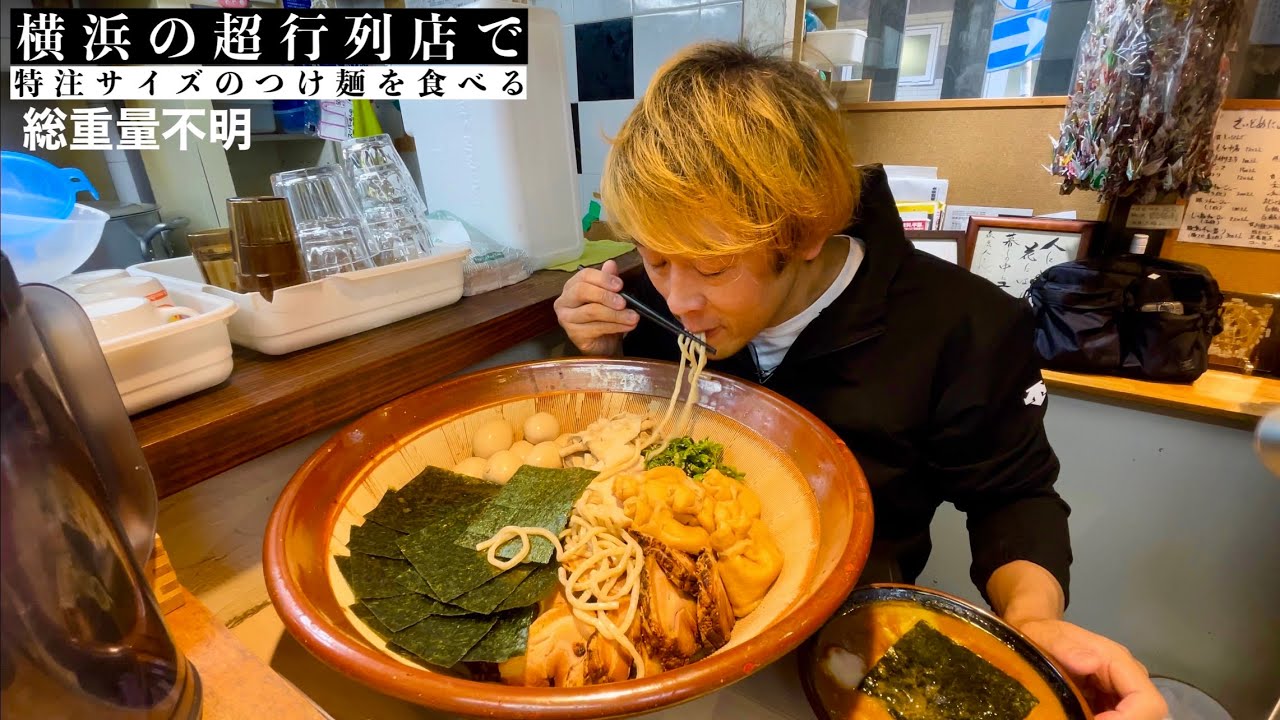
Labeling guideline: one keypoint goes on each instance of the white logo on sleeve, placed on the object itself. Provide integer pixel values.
(1036, 394)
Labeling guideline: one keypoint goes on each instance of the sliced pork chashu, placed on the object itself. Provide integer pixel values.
(678, 567)
(715, 612)
(668, 620)
(565, 652)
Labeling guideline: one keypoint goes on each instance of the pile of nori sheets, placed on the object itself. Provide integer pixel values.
(421, 585)
(926, 675)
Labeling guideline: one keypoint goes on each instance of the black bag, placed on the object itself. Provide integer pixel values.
(1131, 315)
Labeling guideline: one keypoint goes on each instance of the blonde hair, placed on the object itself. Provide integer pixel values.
(730, 151)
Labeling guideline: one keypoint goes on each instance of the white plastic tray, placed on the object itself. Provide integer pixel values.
(337, 306)
(165, 363)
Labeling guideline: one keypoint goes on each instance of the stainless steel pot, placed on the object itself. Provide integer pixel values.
(135, 233)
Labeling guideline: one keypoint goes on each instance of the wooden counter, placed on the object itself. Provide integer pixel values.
(1224, 396)
(234, 683)
(270, 401)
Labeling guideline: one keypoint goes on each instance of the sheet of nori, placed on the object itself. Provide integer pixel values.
(371, 576)
(413, 582)
(532, 486)
(536, 586)
(375, 539)
(533, 497)
(399, 612)
(381, 631)
(927, 676)
(449, 568)
(486, 598)
(508, 638)
(367, 616)
(433, 495)
(344, 567)
(541, 550)
(444, 641)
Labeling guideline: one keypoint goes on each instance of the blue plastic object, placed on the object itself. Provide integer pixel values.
(297, 116)
(34, 191)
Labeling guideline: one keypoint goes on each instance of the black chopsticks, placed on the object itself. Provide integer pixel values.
(657, 317)
(653, 315)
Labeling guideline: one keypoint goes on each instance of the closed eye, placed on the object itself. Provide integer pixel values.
(711, 271)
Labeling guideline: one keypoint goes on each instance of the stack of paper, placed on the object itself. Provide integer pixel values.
(921, 198)
(920, 195)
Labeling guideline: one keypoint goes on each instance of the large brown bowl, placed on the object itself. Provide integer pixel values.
(816, 501)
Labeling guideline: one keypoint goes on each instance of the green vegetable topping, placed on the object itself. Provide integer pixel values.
(695, 458)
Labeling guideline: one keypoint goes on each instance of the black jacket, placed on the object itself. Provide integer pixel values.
(929, 374)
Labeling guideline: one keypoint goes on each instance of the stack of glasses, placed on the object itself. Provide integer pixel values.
(331, 234)
(394, 213)
(365, 214)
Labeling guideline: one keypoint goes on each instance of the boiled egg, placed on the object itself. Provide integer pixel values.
(472, 467)
(544, 455)
(522, 448)
(491, 437)
(502, 466)
(541, 427)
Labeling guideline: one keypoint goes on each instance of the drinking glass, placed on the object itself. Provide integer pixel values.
(331, 232)
(264, 244)
(214, 255)
(393, 208)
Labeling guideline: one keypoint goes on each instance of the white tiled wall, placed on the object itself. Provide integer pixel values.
(658, 36)
(659, 29)
(597, 121)
(585, 11)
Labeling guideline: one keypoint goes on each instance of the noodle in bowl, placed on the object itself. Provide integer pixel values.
(815, 504)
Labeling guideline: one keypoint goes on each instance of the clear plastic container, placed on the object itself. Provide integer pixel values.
(56, 248)
(507, 167)
(334, 307)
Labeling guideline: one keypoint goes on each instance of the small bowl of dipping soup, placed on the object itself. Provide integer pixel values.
(901, 652)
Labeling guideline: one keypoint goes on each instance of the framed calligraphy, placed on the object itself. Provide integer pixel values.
(1011, 252)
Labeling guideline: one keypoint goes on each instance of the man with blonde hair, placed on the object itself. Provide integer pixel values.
(733, 176)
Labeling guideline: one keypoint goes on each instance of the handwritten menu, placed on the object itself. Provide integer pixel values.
(1243, 208)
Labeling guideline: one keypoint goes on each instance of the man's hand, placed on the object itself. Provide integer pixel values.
(1113, 682)
(591, 312)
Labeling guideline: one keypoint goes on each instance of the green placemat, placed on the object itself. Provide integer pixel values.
(596, 252)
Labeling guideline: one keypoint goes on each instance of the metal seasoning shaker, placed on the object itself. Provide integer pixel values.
(81, 635)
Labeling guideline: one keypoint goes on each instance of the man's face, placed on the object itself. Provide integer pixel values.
(729, 299)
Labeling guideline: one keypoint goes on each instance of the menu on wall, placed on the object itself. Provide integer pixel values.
(1243, 208)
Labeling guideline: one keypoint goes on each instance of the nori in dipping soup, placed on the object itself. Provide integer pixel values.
(928, 676)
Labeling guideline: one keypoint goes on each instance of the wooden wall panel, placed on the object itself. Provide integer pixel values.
(995, 156)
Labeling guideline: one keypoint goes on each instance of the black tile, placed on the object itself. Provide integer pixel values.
(605, 67)
(577, 136)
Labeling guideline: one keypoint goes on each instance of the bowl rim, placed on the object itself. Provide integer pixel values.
(445, 693)
(1060, 681)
